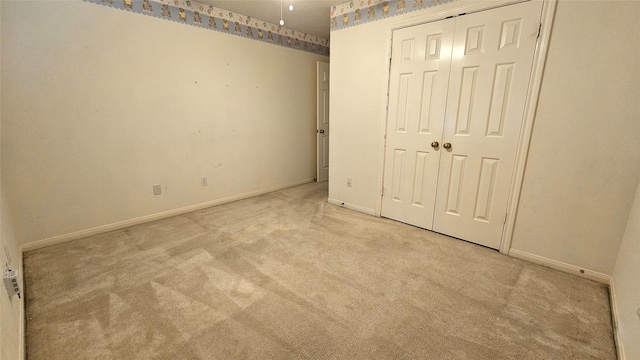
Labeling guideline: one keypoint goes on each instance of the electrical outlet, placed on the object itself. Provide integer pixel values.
(203, 181)
(157, 189)
(349, 183)
(12, 283)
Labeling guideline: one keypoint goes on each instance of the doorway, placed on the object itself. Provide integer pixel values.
(322, 121)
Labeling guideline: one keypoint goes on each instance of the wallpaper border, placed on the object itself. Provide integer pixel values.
(360, 12)
(211, 18)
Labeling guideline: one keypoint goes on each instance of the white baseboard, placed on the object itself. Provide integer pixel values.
(614, 320)
(143, 219)
(559, 265)
(347, 205)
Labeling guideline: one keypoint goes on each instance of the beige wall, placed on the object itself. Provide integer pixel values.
(9, 306)
(99, 104)
(357, 112)
(9, 256)
(626, 279)
(104, 103)
(584, 161)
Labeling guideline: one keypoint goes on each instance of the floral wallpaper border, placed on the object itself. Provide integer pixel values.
(358, 12)
(212, 18)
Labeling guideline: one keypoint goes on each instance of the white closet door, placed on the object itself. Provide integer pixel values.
(421, 57)
(492, 58)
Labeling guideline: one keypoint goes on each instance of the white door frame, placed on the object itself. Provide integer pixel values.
(535, 81)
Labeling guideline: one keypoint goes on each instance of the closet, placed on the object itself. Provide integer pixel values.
(457, 94)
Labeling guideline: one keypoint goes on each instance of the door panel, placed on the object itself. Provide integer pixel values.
(456, 180)
(403, 103)
(486, 186)
(492, 58)
(322, 118)
(398, 172)
(428, 85)
(499, 99)
(324, 163)
(421, 172)
(417, 99)
(465, 100)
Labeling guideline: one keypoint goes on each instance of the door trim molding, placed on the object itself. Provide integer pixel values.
(531, 102)
(531, 105)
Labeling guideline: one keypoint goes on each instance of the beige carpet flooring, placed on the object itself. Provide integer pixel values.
(288, 276)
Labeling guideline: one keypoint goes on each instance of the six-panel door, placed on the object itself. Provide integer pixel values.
(490, 64)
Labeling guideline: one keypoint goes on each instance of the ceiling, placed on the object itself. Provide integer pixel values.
(308, 16)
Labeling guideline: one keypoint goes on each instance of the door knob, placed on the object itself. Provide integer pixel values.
(446, 145)
(435, 144)
(321, 131)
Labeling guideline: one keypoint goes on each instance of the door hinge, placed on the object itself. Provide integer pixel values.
(539, 30)
(505, 218)
(383, 191)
